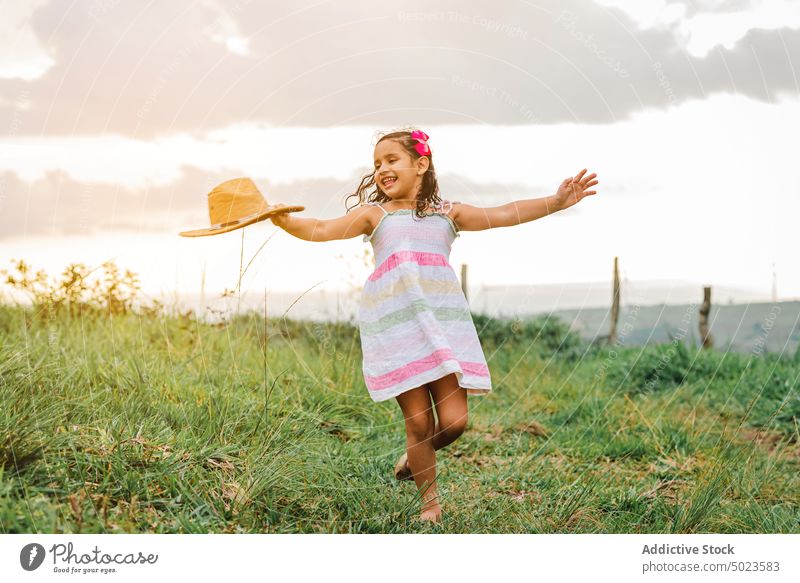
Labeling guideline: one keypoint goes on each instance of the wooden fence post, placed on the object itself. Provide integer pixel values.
(612, 335)
(705, 333)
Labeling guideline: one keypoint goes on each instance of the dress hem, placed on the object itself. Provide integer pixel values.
(433, 374)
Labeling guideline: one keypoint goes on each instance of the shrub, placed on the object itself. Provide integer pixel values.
(546, 333)
(75, 293)
(650, 369)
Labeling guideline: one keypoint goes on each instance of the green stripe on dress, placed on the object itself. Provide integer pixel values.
(409, 312)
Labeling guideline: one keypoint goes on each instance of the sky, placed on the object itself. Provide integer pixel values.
(118, 118)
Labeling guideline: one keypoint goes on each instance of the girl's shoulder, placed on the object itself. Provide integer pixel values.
(367, 204)
(446, 205)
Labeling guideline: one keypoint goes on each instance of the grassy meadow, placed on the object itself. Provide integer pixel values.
(131, 421)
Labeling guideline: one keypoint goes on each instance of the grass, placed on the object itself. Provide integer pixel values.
(165, 424)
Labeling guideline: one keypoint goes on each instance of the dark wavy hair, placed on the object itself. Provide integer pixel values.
(428, 195)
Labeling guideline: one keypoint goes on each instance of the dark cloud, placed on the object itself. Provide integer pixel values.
(146, 69)
(56, 204)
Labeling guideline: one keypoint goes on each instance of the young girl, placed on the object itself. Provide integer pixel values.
(417, 335)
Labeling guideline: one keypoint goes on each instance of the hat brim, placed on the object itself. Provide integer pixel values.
(243, 222)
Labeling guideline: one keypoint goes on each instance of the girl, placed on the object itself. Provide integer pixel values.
(417, 335)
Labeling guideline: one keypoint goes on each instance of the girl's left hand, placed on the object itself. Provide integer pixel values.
(572, 190)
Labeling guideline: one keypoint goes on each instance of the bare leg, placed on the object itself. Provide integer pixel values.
(420, 425)
(451, 409)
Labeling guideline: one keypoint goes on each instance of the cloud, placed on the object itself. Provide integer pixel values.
(58, 205)
(700, 26)
(21, 54)
(226, 30)
(654, 13)
(146, 70)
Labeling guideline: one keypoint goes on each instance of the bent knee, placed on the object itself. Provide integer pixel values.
(421, 427)
(453, 426)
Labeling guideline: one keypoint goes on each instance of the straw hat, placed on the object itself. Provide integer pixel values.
(237, 203)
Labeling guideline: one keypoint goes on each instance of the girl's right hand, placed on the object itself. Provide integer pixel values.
(279, 219)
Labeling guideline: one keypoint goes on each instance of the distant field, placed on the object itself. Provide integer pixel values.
(138, 423)
(740, 327)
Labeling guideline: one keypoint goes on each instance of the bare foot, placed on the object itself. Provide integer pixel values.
(431, 510)
(431, 513)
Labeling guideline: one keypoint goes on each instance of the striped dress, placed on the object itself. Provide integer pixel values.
(414, 320)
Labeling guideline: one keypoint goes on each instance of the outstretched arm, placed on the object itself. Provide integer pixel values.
(570, 192)
(350, 225)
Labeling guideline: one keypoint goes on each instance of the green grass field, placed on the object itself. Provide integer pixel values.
(146, 423)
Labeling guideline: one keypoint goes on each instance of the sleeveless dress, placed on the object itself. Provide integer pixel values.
(414, 320)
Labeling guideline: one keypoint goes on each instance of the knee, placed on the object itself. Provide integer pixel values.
(421, 426)
(454, 426)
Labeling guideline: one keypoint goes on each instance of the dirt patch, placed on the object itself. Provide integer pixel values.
(482, 461)
(668, 489)
(336, 430)
(522, 495)
(583, 516)
(771, 441)
(234, 496)
(215, 463)
(686, 464)
(533, 428)
(495, 433)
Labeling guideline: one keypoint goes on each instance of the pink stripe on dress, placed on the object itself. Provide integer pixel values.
(418, 257)
(416, 367)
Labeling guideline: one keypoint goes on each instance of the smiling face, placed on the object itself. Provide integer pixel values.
(393, 162)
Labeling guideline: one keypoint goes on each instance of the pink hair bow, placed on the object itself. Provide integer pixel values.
(421, 147)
